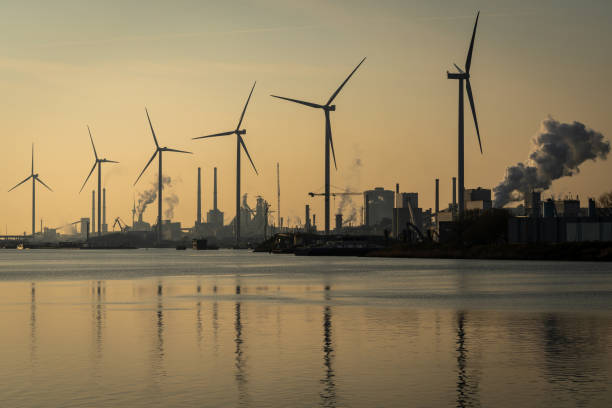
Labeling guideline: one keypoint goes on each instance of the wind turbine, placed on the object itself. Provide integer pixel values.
(239, 144)
(35, 178)
(329, 143)
(98, 163)
(158, 150)
(465, 76)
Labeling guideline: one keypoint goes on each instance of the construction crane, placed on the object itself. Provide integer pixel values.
(122, 225)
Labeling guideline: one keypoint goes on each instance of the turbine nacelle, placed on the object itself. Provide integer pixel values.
(457, 75)
(241, 132)
(329, 108)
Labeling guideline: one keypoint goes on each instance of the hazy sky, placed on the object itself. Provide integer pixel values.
(68, 64)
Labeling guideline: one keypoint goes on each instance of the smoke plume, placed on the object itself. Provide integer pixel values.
(557, 151)
(171, 201)
(347, 205)
(148, 196)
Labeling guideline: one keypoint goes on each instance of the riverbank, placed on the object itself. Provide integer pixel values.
(568, 251)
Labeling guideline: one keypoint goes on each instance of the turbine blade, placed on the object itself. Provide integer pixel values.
(344, 83)
(468, 87)
(248, 155)
(151, 126)
(176, 151)
(231, 132)
(459, 69)
(41, 182)
(143, 170)
(92, 143)
(109, 161)
(312, 105)
(468, 61)
(245, 106)
(328, 131)
(29, 177)
(88, 176)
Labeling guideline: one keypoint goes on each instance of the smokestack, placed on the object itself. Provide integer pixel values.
(367, 210)
(215, 192)
(314, 220)
(395, 211)
(104, 209)
(93, 211)
(454, 194)
(397, 196)
(437, 199)
(199, 210)
(592, 208)
(278, 190)
(307, 224)
(338, 222)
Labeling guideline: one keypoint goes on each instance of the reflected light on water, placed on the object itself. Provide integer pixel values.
(360, 333)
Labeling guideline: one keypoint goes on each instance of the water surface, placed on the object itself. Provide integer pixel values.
(153, 328)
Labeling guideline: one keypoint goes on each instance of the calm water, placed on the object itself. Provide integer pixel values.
(149, 328)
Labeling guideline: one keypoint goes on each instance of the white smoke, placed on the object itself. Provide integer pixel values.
(347, 205)
(558, 151)
(148, 196)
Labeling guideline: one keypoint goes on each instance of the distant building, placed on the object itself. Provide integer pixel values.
(409, 198)
(50, 234)
(378, 204)
(215, 217)
(533, 204)
(567, 208)
(407, 216)
(140, 225)
(171, 231)
(478, 199)
(84, 227)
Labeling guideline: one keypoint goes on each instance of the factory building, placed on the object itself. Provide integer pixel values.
(407, 216)
(560, 221)
(378, 205)
(478, 199)
(214, 216)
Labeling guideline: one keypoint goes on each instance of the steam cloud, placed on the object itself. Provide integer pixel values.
(558, 150)
(346, 203)
(148, 196)
(171, 201)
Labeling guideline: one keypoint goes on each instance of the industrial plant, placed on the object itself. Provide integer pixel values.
(519, 209)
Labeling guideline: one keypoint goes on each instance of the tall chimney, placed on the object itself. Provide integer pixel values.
(104, 209)
(338, 222)
(307, 223)
(93, 211)
(367, 210)
(314, 220)
(396, 211)
(215, 192)
(437, 199)
(454, 192)
(199, 210)
(278, 190)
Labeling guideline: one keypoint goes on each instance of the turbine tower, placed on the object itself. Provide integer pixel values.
(239, 144)
(98, 162)
(158, 150)
(465, 76)
(327, 108)
(35, 178)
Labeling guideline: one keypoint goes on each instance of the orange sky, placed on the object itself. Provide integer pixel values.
(192, 65)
